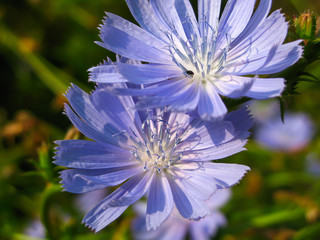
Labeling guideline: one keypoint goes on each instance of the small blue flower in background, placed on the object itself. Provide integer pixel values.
(190, 62)
(289, 136)
(35, 230)
(176, 227)
(164, 155)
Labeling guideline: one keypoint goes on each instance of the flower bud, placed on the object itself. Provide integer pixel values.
(305, 26)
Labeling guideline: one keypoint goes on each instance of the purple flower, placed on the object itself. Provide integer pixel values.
(190, 62)
(176, 227)
(158, 153)
(291, 135)
(35, 229)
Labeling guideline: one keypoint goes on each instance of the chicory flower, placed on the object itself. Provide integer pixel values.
(162, 154)
(189, 61)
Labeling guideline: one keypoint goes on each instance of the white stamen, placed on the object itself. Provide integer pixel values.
(159, 149)
(199, 55)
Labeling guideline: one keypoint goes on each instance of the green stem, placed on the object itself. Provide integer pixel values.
(50, 191)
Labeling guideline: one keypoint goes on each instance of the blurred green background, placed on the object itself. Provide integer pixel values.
(47, 44)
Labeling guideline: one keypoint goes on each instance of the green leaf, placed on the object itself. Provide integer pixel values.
(289, 215)
(309, 232)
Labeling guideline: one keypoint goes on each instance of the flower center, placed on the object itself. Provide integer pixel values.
(198, 57)
(158, 150)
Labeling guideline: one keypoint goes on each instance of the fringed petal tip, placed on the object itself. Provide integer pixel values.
(101, 44)
(62, 183)
(57, 142)
(66, 108)
(241, 119)
(300, 47)
(246, 170)
(91, 228)
(240, 177)
(104, 22)
(72, 88)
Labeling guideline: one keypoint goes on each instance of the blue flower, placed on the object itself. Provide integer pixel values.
(289, 136)
(176, 228)
(189, 62)
(35, 230)
(164, 155)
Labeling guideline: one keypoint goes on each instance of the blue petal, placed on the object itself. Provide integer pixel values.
(106, 73)
(225, 175)
(136, 91)
(118, 112)
(223, 150)
(102, 217)
(216, 140)
(208, 15)
(207, 227)
(180, 123)
(187, 100)
(258, 17)
(172, 229)
(187, 18)
(219, 198)
(100, 115)
(160, 201)
(158, 89)
(211, 147)
(91, 155)
(268, 34)
(177, 96)
(188, 206)
(241, 119)
(210, 104)
(208, 135)
(234, 19)
(117, 202)
(166, 10)
(264, 88)
(147, 18)
(91, 123)
(169, 88)
(285, 56)
(149, 73)
(88, 130)
(153, 102)
(86, 180)
(197, 182)
(124, 44)
(165, 94)
(234, 86)
(269, 61)
(135, 31)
